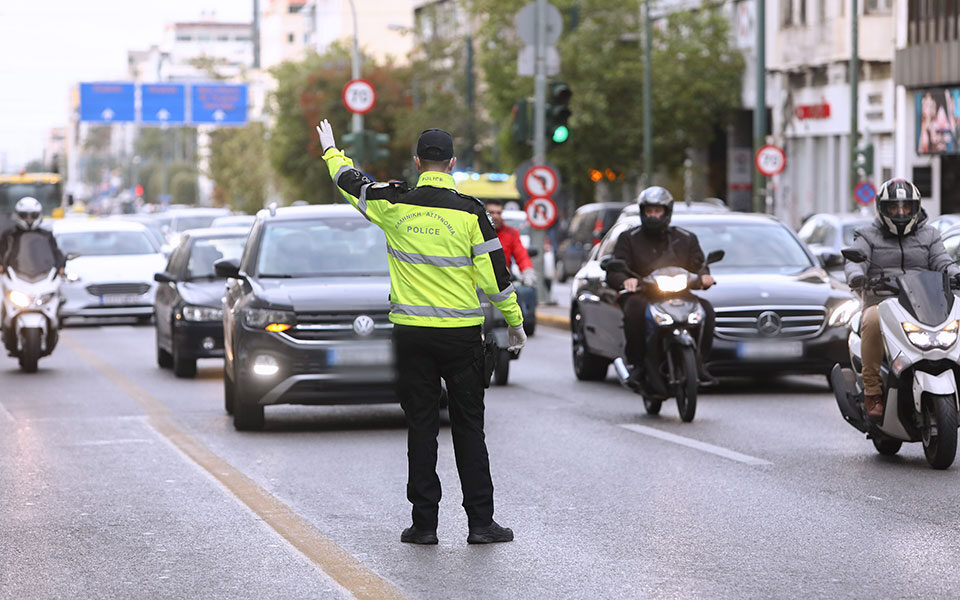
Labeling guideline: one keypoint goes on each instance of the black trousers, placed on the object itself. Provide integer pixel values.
(635, 327)
(424, 355)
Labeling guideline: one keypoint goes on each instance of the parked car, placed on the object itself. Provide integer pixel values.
(111, 267)
(777, 310)
(587, 227)
(182, 219)
(945, 222)
(234, 221)
(188, 307)
(305, 314)
(826, 234)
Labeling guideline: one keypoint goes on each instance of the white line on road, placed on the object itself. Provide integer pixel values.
(696, 445)
(113, 442)
(5, 414)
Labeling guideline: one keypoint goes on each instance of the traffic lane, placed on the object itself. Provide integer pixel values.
(583, 494)
(96, 504)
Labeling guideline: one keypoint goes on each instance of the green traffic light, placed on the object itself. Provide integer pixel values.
(560, 134)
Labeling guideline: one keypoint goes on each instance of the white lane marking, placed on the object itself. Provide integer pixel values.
(112, 442)
(5, 414)
(696, 445)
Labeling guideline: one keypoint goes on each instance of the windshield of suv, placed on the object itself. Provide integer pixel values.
(106, 243)
(207, 251)
(322, 248)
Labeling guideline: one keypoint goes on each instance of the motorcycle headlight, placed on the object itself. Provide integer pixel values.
(671, 283)
(696, 316)
(843, 313)
(266, 317)
(19, 298)
(201, 313)
(947, 336)
(917, 336)
(660, 317)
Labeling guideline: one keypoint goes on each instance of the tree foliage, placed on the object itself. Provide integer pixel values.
(240, 167)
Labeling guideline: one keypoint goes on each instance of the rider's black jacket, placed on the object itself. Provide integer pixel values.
(10, 246)
(645, 252)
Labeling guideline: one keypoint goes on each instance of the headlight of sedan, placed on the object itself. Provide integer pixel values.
(201, 313)
(270, 319)
(72, 276)
(842, 314)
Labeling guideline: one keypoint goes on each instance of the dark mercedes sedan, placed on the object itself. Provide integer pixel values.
(305, 314)
(188, 318)
(777, 310)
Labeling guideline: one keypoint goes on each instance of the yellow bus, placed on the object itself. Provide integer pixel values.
(488, 186)
(45, 187)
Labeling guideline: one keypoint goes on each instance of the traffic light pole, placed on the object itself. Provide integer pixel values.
(854, 92)
(537, 236)
(760, 109)
(647, 100)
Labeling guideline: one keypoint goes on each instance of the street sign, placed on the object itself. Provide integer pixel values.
(526, 23)
(540, 180)
(527, 61)
(104, 102)
(541, 212)
(163, 103)
(221, 104)
(770, 160)
(359, 96)
(865, 193)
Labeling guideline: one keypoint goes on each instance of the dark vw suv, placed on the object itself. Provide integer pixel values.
(305, 314)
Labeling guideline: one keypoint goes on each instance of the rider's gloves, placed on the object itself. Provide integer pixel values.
(326, 135)
(516, 338)
(857, 281)
(528, 277)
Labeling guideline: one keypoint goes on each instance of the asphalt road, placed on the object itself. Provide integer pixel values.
(120, 481)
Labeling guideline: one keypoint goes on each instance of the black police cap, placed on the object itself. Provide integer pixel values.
(435, 144)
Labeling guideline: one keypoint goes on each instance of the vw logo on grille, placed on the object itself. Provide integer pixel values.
(769, 323)
(363, 325)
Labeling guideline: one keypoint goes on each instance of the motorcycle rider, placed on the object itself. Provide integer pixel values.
(27, 217)
(899, 240)
(515, 252)
(655, 245)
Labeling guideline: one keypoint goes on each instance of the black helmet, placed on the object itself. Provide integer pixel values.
(898, 206)
(655, 196)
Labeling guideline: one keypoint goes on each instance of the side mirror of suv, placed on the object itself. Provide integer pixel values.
(227, 267)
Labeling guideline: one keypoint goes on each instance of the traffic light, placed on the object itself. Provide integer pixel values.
(353, 145)
(377, 146)
(520, 129)
(864, 159)
(366, 146)
(558, 112)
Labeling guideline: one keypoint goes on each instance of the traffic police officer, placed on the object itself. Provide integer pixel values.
(441, 247)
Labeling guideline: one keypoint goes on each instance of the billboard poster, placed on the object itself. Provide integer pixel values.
(938, 121)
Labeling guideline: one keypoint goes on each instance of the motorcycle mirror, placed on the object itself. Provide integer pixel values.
(162, 278)
(610, 263)
(715, 256)
(532, 252)
(72, 255)
(854, 255)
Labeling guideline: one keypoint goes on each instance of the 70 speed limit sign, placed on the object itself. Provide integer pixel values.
(770, 160)
(359, 96)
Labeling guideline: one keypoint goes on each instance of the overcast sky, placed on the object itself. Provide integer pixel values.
(47, 46)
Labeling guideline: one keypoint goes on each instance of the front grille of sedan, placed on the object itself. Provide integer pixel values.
(126, 289)
(318, 326)
(770, 322)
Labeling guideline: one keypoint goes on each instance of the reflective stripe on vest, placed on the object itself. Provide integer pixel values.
(435, 311)
(487, 247)
(425, 259)
(504, 295)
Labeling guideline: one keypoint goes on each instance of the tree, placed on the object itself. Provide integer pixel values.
(240, 166)
(35, 166)
(310, 90)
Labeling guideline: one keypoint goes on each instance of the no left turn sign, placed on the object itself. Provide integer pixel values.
(359, 96)
(541, 212)
(540, 181)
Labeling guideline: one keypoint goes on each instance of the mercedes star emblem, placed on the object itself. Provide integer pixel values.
(769, 323)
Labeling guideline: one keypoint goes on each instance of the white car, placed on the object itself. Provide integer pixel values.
(110, 268)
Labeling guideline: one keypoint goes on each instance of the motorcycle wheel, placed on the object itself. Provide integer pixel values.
(887, 447)
(652, 405)
(586, 365)
(502, 373)
(689, 383)
(940, 449)
(30, 354)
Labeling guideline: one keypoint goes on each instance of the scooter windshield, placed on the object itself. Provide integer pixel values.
(34, 257)
(926, 295)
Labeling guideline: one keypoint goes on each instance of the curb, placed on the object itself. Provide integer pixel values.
(552, 320)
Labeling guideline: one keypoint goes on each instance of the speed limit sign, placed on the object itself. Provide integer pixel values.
(359, 96)
(770, 160)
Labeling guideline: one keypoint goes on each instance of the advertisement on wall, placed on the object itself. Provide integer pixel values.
(938, 121)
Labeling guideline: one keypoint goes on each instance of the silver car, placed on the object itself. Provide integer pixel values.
(110, 268)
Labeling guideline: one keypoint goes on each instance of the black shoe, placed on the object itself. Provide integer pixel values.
(412, 535)
(490, 534)
(636, 379)
(706, 379)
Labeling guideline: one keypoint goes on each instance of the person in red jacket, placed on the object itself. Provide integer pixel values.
(515, 252)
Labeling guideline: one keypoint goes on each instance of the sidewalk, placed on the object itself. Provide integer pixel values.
(553, 316)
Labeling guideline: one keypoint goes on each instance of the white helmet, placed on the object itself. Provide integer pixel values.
(28, 213)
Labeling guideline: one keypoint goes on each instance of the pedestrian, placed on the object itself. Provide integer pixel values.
(441, 248)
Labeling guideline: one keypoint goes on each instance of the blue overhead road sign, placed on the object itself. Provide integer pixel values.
(163, 103)
(105, 102)
(221, 104)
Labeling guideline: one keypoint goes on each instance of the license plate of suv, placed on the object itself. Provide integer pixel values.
(120, 299)
(770, 350)
(360, 354)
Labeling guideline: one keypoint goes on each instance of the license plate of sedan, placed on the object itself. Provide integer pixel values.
(120, 299)
(366, 354)
(770, 350)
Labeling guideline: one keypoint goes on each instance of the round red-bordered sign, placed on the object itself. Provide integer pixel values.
(541, 212)
(359, 96)
(770, 160)
(540, 181)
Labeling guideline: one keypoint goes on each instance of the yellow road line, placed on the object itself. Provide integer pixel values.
(340, 565)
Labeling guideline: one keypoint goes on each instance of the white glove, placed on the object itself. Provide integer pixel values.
(326, 135)
(528, 277)
(516, 338)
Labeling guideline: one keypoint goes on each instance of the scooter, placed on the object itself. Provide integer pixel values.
(919, 323)
(495, 327)
(31, 320)
(673, 339)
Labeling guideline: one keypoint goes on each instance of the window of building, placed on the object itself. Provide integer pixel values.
(786, 13)
(290, 37)
(923, 179)
(203, 38)
(878, 6)
(184, 38)
(242, 38)
(803, 12)
(223, 38)
(932, 21)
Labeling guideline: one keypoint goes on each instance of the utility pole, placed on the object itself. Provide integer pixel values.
(760, 110)
(537, 236)
(854, 92)
(470, 97)
(256, 34)
(647, 98)
(356, 125)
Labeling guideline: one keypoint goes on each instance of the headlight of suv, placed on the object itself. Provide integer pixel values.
(201, 313)
(842, 314)
(268, 318)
